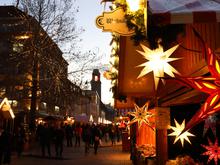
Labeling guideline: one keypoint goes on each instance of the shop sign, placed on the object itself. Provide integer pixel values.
(114, 21)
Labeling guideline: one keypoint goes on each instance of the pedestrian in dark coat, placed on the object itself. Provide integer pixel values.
(5, 146)
(45, 139)
(86, 136)
(20, 140)
(69, 135)
(58, 139)
(97, 137)
(2, 144)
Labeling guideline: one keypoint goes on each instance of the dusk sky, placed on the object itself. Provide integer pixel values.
(93, 37)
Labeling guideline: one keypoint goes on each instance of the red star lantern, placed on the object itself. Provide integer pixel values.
(209, 85)
(213, 151)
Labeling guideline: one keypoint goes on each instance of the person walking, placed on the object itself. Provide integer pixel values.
(20, 140)
(78, 133)
(69, 135)
(97, 136)
(2, 144)
(112, 134)
(45, 139)
(58, 140)
(5, 146)
(86, 136)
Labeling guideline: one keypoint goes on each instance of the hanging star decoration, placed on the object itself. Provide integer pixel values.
(210, 122)
(158, 62)
(209, 85)
(213, 151)
(141, 115)
(177, 132)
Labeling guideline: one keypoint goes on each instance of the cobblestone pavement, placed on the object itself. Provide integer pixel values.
(107, 155)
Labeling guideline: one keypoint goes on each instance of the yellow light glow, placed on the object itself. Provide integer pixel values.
(23, 37)
(133, 5)
(217, 67)
(177, 132)
(208, 85)
(158, 62)
(213, 100)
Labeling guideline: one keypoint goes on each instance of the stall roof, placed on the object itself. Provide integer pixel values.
(185, 11)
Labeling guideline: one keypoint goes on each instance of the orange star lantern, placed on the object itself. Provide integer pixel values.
(209, 85)
(141, 115)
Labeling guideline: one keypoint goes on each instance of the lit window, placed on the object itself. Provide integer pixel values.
(57, 109)
(96, 78)
(18, 47)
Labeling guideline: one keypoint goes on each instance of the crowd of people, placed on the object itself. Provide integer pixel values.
(90, 134)
(52, 136)
(10, 141)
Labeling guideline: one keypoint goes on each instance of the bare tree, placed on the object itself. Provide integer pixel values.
(50, 21)
(57, 17)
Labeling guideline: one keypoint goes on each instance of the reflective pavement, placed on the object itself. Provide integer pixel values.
(107, 155)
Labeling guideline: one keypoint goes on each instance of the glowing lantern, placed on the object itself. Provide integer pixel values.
(177, 132)
(157, 62)
(141, 115)
(209, 85)
(213, 151)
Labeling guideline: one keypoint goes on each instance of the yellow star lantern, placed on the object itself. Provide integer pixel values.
(141, 115)
(177, 132)
(158, 62)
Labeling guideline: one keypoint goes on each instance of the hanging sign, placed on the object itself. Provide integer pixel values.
(162, 117)
(114, 21)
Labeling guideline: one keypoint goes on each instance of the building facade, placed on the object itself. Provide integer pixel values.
(33, 72)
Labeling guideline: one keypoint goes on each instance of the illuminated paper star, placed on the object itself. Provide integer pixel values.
(141, 115)
(210, 122)
(158, 62)
(209, 85)
(213, 151)
(177, 132)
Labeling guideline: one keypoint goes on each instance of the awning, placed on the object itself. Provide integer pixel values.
(185, 11)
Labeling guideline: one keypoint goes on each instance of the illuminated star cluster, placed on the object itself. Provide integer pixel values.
(177, 130)
(158, 62)
(213, 151)
(141, 115)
